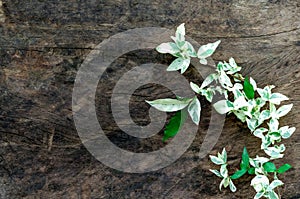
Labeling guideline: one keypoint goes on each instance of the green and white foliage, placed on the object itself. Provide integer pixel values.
(221, 159)
(259, 108)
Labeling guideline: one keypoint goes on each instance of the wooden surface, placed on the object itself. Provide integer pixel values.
(43, 43)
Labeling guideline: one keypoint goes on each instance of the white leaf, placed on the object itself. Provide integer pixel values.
(216, 160)
(216, 172)
(179, 63)
(194, 110)
(232, 67)
(253, 163)
(203, 61)
(253, 83)
(274, 152)
(259, 132)
(283, 110)
(226, 182)
(264, 115)
(273, 195)
(170, 48)
(276, 98)
(185, 65)
(287, 133)
(195, 87)
(223, 107)
(275, 184)
(273, 125)
(189, 49)
(179, 35)
(240, 115)
(252, 124)
(224, 155)
(169, 105)
(261, 160)
(232, 186)
(232, 62)
(208, 80)
(207, 50)
(236, 89)
(208, 94)
(240, 102)
(263, 93)
(224, 171)
(259, 182)
(181, 29)
(224, 80)
(222, 183)
(259, 195)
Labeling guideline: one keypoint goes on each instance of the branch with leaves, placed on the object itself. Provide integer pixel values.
(259, 108)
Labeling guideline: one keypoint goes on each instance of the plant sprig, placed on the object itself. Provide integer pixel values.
(257, 107)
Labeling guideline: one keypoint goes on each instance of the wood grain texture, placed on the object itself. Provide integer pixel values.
(43, 43)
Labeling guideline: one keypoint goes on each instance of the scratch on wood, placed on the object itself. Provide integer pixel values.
(50, 140)
(2, 17)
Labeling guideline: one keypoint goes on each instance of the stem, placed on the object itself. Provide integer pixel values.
(278, 192)
(239, 78)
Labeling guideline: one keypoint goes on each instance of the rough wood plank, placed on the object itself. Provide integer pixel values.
(42, 45)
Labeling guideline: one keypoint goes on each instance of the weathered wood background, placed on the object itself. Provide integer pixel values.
(43, 43)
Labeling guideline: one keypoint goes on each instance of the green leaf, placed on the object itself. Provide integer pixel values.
(175, 124)
(169, 47)
(245, 159)
(251, 171)
(194, 110)
(284, 168)
(169, 105)
(179, 63)
(248, 88)
(269, 167)
(238, 174)
(207, 50)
